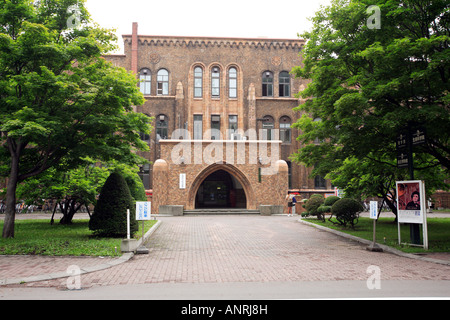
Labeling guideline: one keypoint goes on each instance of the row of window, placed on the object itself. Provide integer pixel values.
(268, 128)
(162, 83)
(284, 84)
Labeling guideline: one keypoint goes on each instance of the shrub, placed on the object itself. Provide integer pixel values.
(109, 217)
(324, 209)
(326, 206)
(312, 205)
(346, 211)
(329, 201)
(136, 187)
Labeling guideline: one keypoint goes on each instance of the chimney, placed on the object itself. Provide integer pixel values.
(134, 49)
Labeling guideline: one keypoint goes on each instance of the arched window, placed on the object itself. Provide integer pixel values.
(198, 82)
(232, 83)
(285, 129)
(163, 83)
(145, 78)
(268, 126)
(162, 127)
(267, 84)
(215, 82)
(284, 84)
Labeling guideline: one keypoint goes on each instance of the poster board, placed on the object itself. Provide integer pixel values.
(412, 205)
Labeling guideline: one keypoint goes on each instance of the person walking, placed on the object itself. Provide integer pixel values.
(290, 203)
(294, 202)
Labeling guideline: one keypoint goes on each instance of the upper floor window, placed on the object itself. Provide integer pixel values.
(162, 127)
(145, 78)
(285, 84)
(232, 83)
(232, 127)
(163, 82)
(268, 128)
(215, 127)
(317, 140)
(198, 127)
(215, 82)
(198, 82)
(144, 174)
(267, 84)
(319, 182)
(285, 129)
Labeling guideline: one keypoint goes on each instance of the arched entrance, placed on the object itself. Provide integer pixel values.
(221, 186)
(220, 190)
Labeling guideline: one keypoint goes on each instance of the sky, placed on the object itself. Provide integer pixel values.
(226, 18)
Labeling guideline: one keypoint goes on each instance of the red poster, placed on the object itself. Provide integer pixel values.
(408, 196)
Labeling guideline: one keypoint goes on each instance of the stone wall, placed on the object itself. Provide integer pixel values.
(255, 164)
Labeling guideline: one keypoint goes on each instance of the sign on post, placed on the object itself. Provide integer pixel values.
(373, 210)
(418, 136)
(143, 210)
(374, 217)
(411, 206)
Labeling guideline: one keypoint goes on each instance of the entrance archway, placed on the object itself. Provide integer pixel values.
(221, 186)
(220, 190)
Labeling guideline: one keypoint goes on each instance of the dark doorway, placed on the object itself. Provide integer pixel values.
(220, 190)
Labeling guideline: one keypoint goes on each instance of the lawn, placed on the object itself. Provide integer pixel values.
(38, 237)
(387, 233)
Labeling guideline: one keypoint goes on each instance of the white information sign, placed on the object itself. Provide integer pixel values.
(373, 210)
(182, 180)
(143, 210)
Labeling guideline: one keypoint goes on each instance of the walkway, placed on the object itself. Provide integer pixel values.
(232, 249)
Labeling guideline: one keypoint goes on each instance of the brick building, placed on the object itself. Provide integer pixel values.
(223, 110)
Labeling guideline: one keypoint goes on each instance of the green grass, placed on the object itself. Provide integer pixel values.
(387, 233)
(38, 237)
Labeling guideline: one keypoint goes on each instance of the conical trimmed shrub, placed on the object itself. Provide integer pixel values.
(110, 213)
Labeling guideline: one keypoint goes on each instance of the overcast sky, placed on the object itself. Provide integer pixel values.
(225, 18)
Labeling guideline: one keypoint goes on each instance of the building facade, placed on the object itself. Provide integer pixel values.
(223, 111)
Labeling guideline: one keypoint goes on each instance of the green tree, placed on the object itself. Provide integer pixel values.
(60, 100)
(130, 174)
(109, 217)
(70, 190)
(368, 84)
(78, 187)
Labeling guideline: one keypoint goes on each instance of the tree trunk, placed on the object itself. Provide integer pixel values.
(10, 213)
(391, 206)
(70, 209)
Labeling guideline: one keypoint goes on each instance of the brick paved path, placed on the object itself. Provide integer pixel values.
(215, 249)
